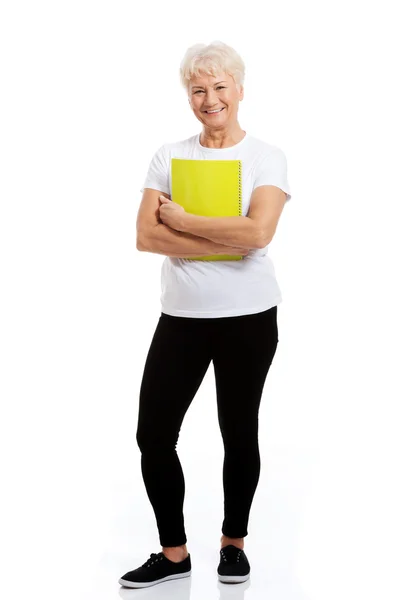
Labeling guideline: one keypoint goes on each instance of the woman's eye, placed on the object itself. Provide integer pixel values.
(219, 87)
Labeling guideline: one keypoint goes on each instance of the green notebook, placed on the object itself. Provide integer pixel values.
(211, 188)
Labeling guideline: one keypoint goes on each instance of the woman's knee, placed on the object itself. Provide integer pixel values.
(150, 441)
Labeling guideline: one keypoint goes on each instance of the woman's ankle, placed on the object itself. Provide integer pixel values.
(175, 550)
(226, 541)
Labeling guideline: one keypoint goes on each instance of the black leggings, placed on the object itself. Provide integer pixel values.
(178, 358)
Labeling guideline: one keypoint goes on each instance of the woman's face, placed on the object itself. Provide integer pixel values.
(208, 93)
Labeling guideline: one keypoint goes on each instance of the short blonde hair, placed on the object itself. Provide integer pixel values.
(211, 59)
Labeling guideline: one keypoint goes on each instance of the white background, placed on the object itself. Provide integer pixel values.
(89, 91)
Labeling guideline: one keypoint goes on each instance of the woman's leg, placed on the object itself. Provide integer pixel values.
(243, 350)
(177, 360)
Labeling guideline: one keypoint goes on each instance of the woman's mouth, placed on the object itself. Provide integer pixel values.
(215, 113)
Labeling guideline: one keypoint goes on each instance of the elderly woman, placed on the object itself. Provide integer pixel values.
(211, 311)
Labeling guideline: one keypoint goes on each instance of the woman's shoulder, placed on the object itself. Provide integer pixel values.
(263, 146)
(179, 145)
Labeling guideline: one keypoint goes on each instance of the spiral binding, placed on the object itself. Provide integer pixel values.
(240, 188)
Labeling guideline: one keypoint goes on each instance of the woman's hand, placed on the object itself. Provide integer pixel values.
(172, 214)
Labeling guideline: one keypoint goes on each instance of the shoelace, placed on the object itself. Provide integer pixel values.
(153, 558)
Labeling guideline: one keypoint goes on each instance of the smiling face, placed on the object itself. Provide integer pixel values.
(208, 93)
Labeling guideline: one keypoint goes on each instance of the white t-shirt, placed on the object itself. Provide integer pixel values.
(195, 288)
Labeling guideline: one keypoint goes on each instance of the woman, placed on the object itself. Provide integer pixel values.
(208, 308)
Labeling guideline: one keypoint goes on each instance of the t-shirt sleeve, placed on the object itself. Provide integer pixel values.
(272, 170)
(158, 172)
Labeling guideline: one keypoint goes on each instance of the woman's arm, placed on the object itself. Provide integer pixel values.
(168, 241)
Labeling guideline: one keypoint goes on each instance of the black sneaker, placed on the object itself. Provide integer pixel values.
(233, 566)
(156, 569)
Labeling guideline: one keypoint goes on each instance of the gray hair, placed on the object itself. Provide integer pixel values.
(211, 59)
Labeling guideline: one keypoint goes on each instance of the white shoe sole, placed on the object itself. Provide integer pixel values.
(233, 578)
(143, 584)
